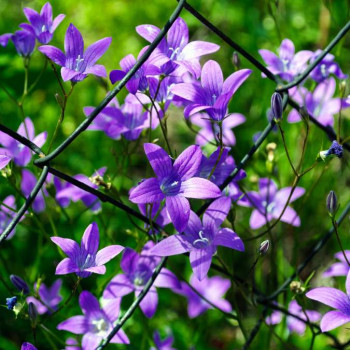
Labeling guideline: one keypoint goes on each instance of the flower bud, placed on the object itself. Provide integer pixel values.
(276, 106)
(20, 284)
(264, 247)
(296, 287)
(236, 60)
(11, 302)
(332, 203)
(336, 149)
(33, 313)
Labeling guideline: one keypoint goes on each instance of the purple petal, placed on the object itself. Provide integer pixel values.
(257, 220)
(147, 191)
(194, 225)
(200, 188)
(187, 163)
(333, 319)
(28, 346)
(101, 270)
(172, 245)
(88, 303)
(75, 324)
(42, 309)
(227, 238)
(347, 286)
(337, 269)
(235, 80)
(4, 160)
(40, 139)
(119, 286)
(54, 54)
(148, 31)
(177, 36)
(289, 216)
(116, 75)
(67, 265)
(283, 194)
(178, 208)
(120, 338)
(90, 240)
(112, 308)
(212, 78)
(200, 260)
(68, 74)
(73, 44)
(98, 70)
(130, 260)
(159, 160)
(196, 49)
(190, 92)
(56, 22)
(216, 213)
(90, 341)
(95, 51)
(149, 303)
(107, 253)
(69, 247)
(32, 16)
(166, 279)
(271, 59)
(331, 297)
(286, 50)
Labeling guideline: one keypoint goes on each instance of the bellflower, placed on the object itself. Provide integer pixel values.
(210, 130)
(214, 94)
(49, 297)
(165, 344)
(138, 269)
(212, 289)
(288, 64)
(340, 268)
(85, 259)
(6, 214)
(174, 183)
(76, 63)
(269, 202)
(41, 25)
(325, 68)
(67, 192)
(294, 324)
(201, 238)
(23, 40)
(319, 103)
(181, 56)
(96, 323)
(336, 299)
(21, 154)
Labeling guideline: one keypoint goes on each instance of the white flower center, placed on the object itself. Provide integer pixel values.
(78, 62)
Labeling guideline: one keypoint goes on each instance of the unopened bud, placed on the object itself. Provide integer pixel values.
(296, 287)
(332, 203)
(20, 284)
(342, 87)
(33, 313)
(236, 60)
(11, 302)
(264, 247)
(276, 106)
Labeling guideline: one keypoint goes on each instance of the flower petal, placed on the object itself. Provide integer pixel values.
(148, 31)
(331, 297)
(91, 239)
(200, 260)
(227, 238)
(67, 265)
(178, 208)
(167, 279)
(333, 319)
(148, 191)
(95, 51)
(212, 78)
(200, 188)
(107, 253)
(88, 302)
(149, 303)
(196, 49)
(69, 247)
(235, 80)
(54, 54)
(159, 160)
(172, 245)
(216, 213)
(73, 44)
(75, 324)
(97, 69)
(119, 286)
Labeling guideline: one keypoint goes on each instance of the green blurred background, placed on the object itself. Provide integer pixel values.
(252, 24)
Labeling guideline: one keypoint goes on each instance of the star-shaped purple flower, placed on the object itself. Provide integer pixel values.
(288, 64)
(21, 154)
(49, 297)
(201, 238)
(42, 25)
(269, 202)
(180, 55)
(340, 268)
(214, 94)
(76, 63)
(211, 288)
(96, 323)
(85, 259)
(138, 269)
(174, 183)
(336, 299)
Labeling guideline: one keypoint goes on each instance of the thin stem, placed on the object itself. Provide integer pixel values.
(335, 226)
(286, 149)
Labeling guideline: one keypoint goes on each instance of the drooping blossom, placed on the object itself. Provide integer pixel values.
(49, 297)
(325, 68)
(96, 323)
(28, 346)
(138, 269)
(287, 64)
(67, 192)
(85, 259)
(269, 203)
(320, 103)
(181, 56)
(6, 214)
(340, 268)
(293, 323)
(165, 344)
(23, 40)
(211, 288)
(210, 130)
(41, 25)
(214, 94)
(201, 238)
(21, 154)
(336, 299)
(174, 183)
(76, 63)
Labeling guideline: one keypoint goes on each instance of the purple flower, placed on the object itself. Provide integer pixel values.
(28, 346)
(49, 297)
(339, 268)
(67, 192)
(201, 239)
(214, 94)
(138, 269)
(180, 55)
(77, 64)
(212, 289)
(6, 215)
(325, 68)
(4, 160)
(336, 299)
(20, 284)
(165, 344)
(41, 25)
(335, 149)
(23, 40)
(174, 183)
(210, 130)
(84, 259)
(21, 154)
(11, 302)
(72, 344)
(294, 324)
(96, 323)
(288, 64)
(320, 103)
(269, 202)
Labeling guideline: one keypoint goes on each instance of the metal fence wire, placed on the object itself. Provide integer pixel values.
(44, 162)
